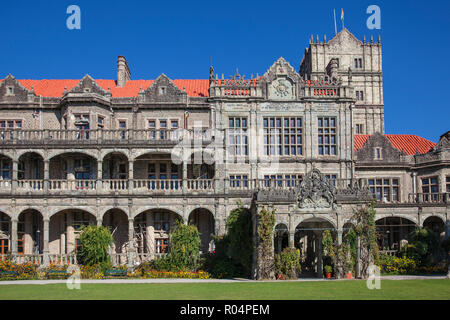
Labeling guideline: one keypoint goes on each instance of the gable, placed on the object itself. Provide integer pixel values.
(88, 85)
(12, 91)
(378, 148)
(163, 90)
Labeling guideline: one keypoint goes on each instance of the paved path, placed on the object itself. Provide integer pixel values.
(144, 281)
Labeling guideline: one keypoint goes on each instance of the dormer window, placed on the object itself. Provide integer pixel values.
(10, 91)
(378, 155)
(162, 90)
(87, 90)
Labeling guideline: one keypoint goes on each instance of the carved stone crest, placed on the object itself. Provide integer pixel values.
(3, 235)
(316, 191)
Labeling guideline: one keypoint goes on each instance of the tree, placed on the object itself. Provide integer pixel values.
(95, 242)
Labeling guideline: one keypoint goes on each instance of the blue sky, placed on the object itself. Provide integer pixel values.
(178, 37)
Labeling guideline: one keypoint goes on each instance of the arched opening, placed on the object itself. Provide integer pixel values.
(73, 171)
(30, 171)
(115, 166)
(203, 219)
(151, 231)
(308, 238)
(5, 234)
(5, 171)
(281, 237)
(156, 171)
(65, 227)
(117, 222)
(30, 238)
(392, 232)
(435, 224)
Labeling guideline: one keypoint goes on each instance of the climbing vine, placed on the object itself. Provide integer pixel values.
(365, 230)
(265, 262)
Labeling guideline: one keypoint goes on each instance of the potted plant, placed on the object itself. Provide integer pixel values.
(328, 271)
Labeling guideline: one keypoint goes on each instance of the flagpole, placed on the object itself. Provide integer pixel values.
(335, 27)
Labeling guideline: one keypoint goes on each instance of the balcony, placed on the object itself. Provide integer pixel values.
(102, 136)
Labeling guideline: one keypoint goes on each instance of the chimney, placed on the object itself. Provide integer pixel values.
(123, 72)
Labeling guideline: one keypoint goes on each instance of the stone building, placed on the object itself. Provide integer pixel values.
(136, 155)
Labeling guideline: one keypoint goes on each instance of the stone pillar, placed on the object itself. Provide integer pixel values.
(130, 176)
(149, 235)
(99, 174)
(339, 236)
(28, 242)
(46, 249)
(291, 239)
(358, 257)
(14, 237)
(46, 175)
(70, 233)
(185, 173)
(131, 243)
(15, 171)
(319, 254)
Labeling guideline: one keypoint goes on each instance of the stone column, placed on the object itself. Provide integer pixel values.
(319, 255)
(15, 169)
(99, 175)
(14, 237)
(291, 239)
(149, 235)
(70, 233)
(130, 176)
(46, 175)
(358, 257)
(46, 249)
(185, 173)
(339, 236)
(131, 243)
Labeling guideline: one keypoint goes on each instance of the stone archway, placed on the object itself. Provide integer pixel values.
(117, 222)
(281, 237)
(308, 238)
(65, 230)
(151, 231)
(436, 224)
(5, 234)
(392, 232)
(203, 219)
(30, 238)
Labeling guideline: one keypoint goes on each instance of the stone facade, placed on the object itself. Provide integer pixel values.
(138, 162)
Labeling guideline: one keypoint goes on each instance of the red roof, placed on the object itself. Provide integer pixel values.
(408, 142)
(55, 88)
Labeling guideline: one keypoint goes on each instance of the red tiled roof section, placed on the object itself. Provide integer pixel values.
(55, 88)
(408, 142)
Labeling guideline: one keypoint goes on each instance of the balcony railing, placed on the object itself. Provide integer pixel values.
(429, 198)
(103, 136)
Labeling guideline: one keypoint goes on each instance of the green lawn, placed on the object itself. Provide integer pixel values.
(390, 289)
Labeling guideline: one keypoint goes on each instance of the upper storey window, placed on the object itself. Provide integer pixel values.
(358, 63)
(238, 136)
(447, 179)
(327, 142)
(283, 136)
(430, 188)
(359, 95)
(385, 189)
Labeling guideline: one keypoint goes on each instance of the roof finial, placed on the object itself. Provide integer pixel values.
(324, 38)
(312, 39)
(317, 38)
(371, 39)
(379, 38)
(364, 39)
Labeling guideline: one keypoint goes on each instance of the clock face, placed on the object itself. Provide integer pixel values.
(282, 89)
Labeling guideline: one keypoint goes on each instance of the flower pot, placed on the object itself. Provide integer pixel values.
(328, 274)
(348, 275)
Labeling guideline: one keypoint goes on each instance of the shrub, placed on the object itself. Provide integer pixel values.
(183, 252)
(287, 263)
(423, 246)
(396, 265)
(328, 269)
(95, 242)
